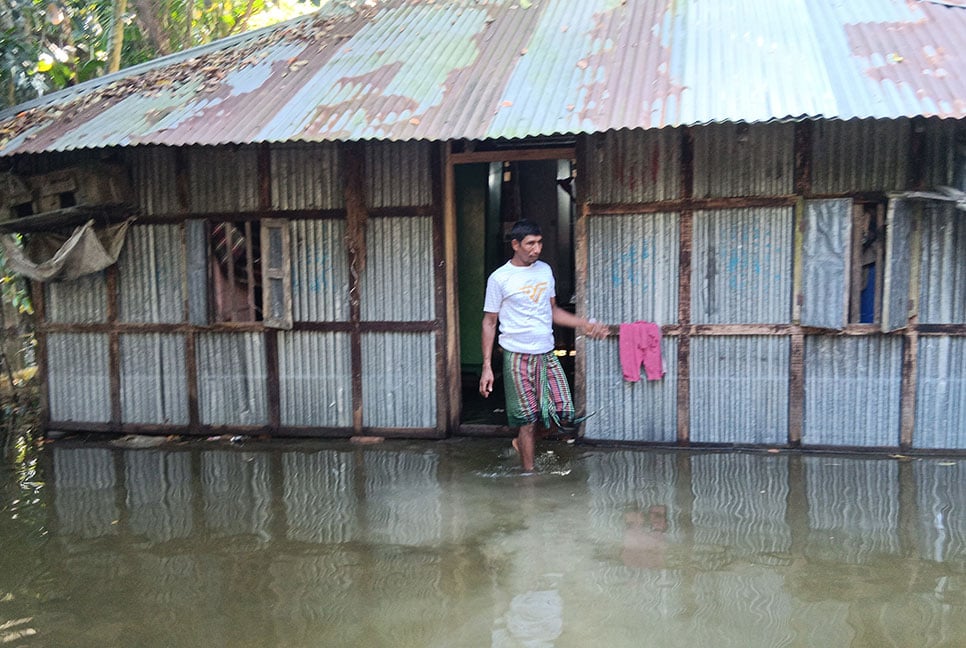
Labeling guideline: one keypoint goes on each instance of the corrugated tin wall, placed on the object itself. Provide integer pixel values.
(154, 384)
(633, 166)
(860, 155)
(641, 411)
(633, 268)
(82, 301)
(315, 379)
(739, 389)
(231, 379)
(320, 275)
(307, 176)
(942, 288)
(78, 377)
(399, 379)
(826, 255)
(398, 283)
(744, 160)
(398, 174)
(941, 393)
(151, 275)
(223, 179)
(852, 387)
(742, 264)
(153, 174)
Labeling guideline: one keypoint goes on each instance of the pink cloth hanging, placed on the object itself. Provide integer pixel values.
(640, 343)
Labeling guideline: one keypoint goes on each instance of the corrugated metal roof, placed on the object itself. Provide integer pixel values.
(439, 70)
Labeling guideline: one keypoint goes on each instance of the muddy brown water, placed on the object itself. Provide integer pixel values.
(212, 543)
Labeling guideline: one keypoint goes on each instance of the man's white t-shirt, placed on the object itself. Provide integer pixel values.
(521, 295)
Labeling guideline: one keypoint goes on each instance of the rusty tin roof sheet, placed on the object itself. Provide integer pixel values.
(490, 69)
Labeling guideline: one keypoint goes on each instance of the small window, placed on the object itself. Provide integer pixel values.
(868, 256)
(235, 271)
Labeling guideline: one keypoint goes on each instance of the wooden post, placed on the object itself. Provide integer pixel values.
(356, 217)
(686, 234)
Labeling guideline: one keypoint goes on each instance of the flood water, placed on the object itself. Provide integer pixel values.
(211, 543)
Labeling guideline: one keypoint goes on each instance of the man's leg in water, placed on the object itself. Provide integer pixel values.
(525, 443)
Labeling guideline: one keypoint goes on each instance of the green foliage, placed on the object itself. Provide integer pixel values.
(48, 45)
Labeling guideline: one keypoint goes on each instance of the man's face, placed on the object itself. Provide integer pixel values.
(527, 251)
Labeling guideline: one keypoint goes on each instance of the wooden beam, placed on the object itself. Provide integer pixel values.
(356, 217)
(451, 290)
(522, 155)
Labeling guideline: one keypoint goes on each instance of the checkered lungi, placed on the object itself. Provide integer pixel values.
(536, 390)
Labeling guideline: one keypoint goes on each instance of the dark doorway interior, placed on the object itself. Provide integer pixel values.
(490, 197)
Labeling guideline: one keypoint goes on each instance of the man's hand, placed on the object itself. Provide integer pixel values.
(486, 381)
(597, 330)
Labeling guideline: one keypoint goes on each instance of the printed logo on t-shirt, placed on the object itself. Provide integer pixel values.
(534, 291)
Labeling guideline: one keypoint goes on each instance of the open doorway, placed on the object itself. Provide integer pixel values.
(490, 197)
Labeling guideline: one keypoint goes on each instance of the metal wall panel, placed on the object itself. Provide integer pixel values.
(852, 390)
(826, 262)
(319, 493)
(939, 151)
(85, 497)
(739, 389)
(860, 155)
(81, 301)
(159, 494)
(741, 270)
(633, 166)
(399, 174)
(78, 377)
(853, 508)
(642, 411)
(320, 275)
(153, 179)
(399, 379)
(403, 498)
(398, 283)
(231, 378)
(154, 383)
(740, 503)
(632, 268)
(196, 263)
(941, 393)
(236, 490)
(223, 179)
(942, 287)
(315, 379)
(744, 160)
(898, 264)
(940, 493)
(307, 176)
(151, 275)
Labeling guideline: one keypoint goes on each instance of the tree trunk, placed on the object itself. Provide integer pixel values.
(117, 36)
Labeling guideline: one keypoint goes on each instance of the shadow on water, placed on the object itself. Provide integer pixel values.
(447, 544)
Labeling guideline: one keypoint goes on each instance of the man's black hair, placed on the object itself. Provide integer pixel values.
(524, 228)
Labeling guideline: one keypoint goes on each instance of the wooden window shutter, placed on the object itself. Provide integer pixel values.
(276, 274)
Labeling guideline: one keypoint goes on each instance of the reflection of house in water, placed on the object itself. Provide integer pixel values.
(312, 241)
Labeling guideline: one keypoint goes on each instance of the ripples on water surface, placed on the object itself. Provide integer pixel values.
(446, 544)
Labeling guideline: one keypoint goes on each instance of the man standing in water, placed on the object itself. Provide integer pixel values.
(520, 294)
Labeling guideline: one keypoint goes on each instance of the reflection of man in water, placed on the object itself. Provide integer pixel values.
(521, 295)
(644, 541)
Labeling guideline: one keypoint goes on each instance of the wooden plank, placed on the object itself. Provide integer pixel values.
(907, 403)
(682, 204)
(581, 254)
(796, 389)
(273, 384)
(113, 346)
(39, 302)
(686, 229)
(356, 216)
(523, 155)
(803, 157)
(191, 367)
(798, 261)
(451, 314)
